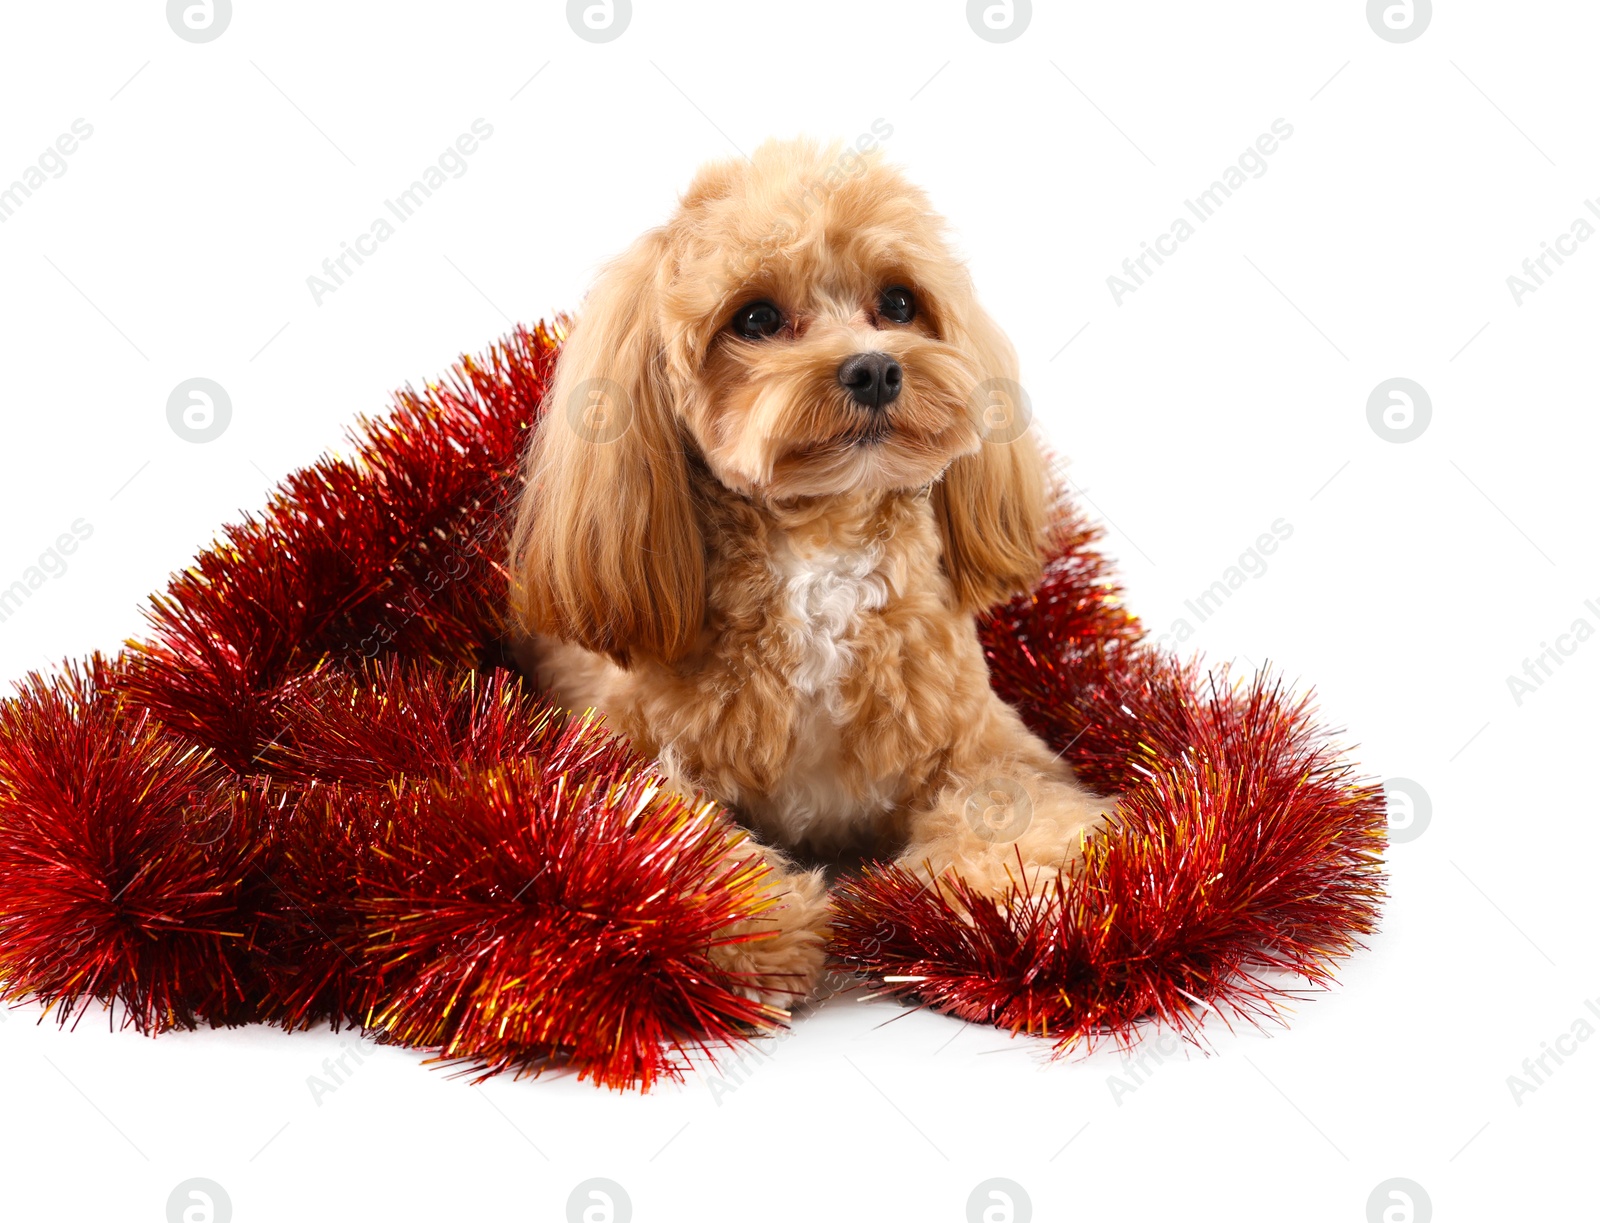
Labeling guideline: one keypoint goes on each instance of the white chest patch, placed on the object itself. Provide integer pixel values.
(828, 594)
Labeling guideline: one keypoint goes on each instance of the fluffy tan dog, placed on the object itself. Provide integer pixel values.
(780, 471)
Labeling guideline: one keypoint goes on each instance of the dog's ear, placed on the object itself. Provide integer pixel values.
(991, 505)
(606, 551)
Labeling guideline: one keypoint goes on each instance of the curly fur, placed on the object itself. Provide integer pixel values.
(772, 590)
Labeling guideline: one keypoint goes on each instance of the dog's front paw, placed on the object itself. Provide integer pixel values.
(1008, 837)
(777, 958)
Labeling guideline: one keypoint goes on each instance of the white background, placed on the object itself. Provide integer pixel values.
(1226, 393)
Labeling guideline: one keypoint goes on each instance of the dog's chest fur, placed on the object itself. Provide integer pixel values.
(827, 591)
(844, 673)
(827, 595)
(833, 677)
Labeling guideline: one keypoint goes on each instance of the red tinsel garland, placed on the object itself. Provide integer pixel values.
(316, 793)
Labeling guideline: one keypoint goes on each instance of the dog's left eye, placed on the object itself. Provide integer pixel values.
(897, 304)
(758, 320)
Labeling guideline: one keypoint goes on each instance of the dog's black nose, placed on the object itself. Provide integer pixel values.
(872, 378)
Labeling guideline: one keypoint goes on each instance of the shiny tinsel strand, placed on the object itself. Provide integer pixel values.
(1245, 853)
(316, 792)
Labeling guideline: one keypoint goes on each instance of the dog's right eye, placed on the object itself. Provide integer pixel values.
(757, 321)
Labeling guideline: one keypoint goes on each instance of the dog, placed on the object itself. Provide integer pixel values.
(782, 467)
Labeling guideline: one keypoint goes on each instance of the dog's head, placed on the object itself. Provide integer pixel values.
(801, 328)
